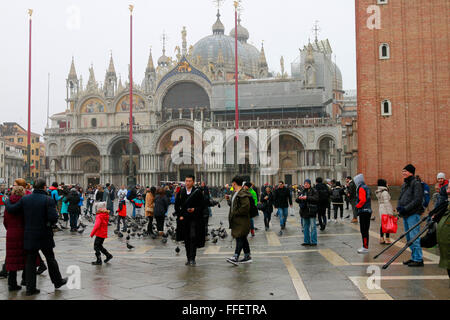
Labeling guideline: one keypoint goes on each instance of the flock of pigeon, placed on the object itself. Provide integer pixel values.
(137, 229)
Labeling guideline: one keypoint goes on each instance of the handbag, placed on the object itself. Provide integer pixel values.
(389, 223)
(261, 206)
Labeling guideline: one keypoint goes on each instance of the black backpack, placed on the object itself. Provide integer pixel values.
(253, 208)
(324, 194)
(336, 194)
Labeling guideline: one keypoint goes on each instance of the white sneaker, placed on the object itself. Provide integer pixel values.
(363, 250)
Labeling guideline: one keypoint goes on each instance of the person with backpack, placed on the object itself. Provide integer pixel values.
(248, 187)
(324, 200)
(410, 208)
(308, 200)
(337, 200)
(364, 207)
(239, 220)
(267, 204)
(74, 209)
(283, 199)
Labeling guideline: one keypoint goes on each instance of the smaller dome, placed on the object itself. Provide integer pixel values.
(218, 27)
(242, 33)
(163, 60)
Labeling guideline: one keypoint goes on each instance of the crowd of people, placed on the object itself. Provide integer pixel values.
(33, 214)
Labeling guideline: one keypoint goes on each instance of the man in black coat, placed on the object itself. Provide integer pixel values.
(40, 214)
(324, 201)
(189, 206)
(282, 201)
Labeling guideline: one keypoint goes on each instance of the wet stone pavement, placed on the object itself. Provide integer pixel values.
(282, 269)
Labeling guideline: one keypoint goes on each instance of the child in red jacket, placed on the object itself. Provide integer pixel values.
(122, 212)
(100, 232)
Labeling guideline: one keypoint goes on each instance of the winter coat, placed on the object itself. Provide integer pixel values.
(363, 196)
(192, 220)
(99, 196)
(73, 199)
(443, 239)
(323, 189)
(384, 201)
(268, 204)
(282, 198)
(55, 195)
(309, 207)
(340, 199)
(411, 197)
(351, 189)
(65, 206)
(254, 195)
(107, 199)
(161, 206)
(40, 214)
(239, 215)
(122, 210)
(138, 203)
(443, 196)
(101, 224)
(149, 204)
(15, 228)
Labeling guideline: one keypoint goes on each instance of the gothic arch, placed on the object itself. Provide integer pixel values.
(77, 143)
(165, 86)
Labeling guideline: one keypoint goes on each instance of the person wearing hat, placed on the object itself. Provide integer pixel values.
(308, 201)
(410, 209)
(443, 187)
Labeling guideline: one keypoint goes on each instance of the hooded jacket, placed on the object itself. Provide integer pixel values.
(101, 224)
(384, 201)
(239, 215)
(363, 200)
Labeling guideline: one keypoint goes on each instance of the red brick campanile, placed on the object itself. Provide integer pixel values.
(414, 77)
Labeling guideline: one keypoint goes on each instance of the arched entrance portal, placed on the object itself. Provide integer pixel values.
(291, 160)
(120, 161)
(86, 161)
(169, 170)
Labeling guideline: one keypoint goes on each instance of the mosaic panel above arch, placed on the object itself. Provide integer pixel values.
(124, 104)
(93, 105)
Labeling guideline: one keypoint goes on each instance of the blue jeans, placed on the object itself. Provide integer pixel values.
(408, 222)
(252, 224)
(283, 214)
(309, 230)
(134, 210)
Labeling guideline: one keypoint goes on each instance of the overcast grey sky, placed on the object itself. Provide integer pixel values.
(284, 25)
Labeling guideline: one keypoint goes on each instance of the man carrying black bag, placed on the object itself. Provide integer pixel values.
(189, 205)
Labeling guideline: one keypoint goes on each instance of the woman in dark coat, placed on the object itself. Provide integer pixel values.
(74, 209)
(15, 254)
(161, 206)
(267, 201)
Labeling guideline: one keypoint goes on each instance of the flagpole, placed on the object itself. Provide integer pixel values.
(131, 177)
(236, 76)
(30, 13)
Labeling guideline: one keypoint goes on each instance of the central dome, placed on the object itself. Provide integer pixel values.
(209, 48)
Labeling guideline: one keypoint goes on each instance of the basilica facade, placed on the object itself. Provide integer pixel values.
(88, 143)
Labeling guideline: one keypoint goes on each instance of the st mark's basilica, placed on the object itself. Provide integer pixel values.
(88, 143)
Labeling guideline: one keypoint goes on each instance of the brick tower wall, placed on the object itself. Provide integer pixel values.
(416, 79)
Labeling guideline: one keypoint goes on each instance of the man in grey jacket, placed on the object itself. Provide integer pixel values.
(410, 209)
